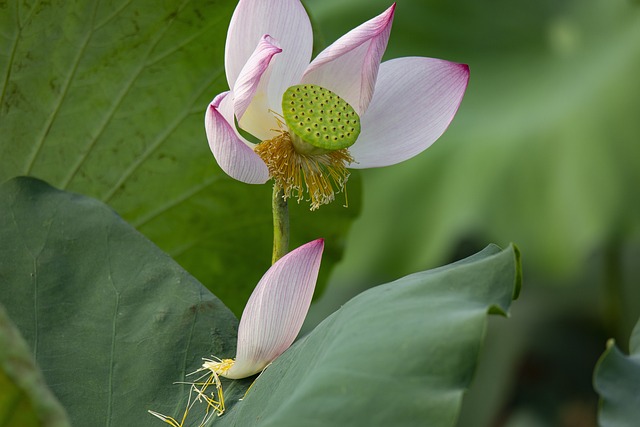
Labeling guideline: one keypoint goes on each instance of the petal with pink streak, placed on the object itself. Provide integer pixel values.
(284, 20)
(251, 76)
(235, 157)
(414, 101)
(349, 67)
(276, 309)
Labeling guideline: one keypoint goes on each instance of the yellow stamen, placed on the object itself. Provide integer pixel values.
(169, 420)
(215, 401)
(320, 172)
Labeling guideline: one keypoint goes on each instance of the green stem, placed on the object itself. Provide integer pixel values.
(280, 224)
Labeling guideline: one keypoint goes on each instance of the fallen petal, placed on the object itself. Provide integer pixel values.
(414, 101)
(276, 309)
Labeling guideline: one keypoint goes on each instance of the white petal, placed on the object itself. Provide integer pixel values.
(251, 74)
(235, 157)
(285, 21)
(349, 67)
(414, 101)
(276, 309)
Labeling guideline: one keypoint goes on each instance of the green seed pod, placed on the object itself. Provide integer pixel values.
(320, 118)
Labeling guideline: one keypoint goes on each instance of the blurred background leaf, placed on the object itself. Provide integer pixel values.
(25, 399)
(107, 99)
(617, 380)
(544, 152)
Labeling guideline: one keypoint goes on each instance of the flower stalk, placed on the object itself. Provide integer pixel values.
(280, 224)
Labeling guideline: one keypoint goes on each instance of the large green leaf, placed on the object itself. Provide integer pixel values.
(617, 380)
(398, 354)
(107, 99)
(25, 400)
(111, 320)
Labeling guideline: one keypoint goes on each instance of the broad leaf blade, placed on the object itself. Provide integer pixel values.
(111, 319)
(25, 399)
(617, 380)
(108, 98)
(398, 354)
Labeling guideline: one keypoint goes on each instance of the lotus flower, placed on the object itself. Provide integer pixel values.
(317, 118)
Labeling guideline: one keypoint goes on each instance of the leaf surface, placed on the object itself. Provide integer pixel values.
(617, 380)
(25, 399)
(107, 99)
(111, 320)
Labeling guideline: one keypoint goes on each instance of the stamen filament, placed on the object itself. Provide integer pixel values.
(213, 368)
(293, 171)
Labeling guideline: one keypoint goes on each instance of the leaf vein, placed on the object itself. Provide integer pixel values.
(14, 47)
(151, 148)
(180, 45)
(108, 116)
(63, 93)
(190, 192)
(114, 331)
(113, 15)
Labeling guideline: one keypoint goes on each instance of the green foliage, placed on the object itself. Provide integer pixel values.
(397, 353)
(113, 321)
(108, 98)
(25, 400)
(617, 380)
(543, 150)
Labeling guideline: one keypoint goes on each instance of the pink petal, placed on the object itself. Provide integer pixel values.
(276, 309)
(349, 67)
(285, 21)
(234, 157)
(415, 100)
(251, 74)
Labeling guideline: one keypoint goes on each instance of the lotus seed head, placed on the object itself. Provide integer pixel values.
(306, 122)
